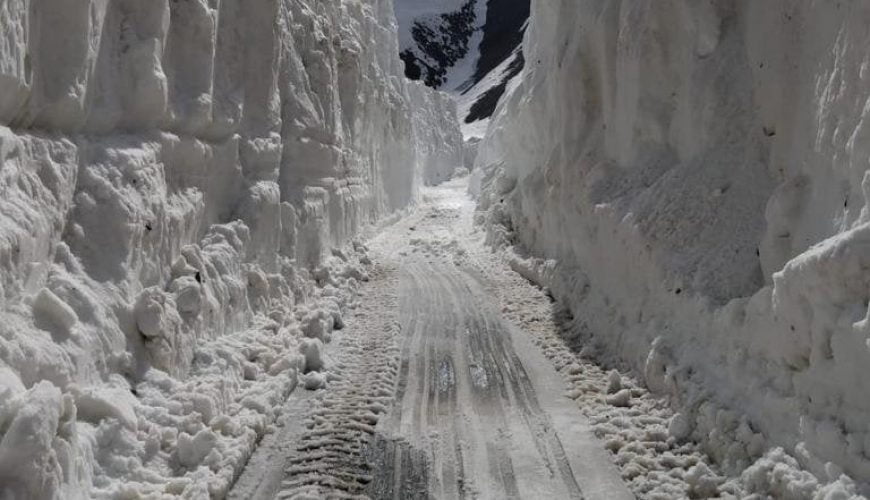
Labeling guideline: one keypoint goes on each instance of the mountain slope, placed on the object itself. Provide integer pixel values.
(470, 48)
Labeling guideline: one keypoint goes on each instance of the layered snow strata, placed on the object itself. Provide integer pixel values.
(174, 176)
(440, 146)
(694, 177)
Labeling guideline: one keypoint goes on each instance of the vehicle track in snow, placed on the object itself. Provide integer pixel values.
(329, 460)
(434, 393)
(318, 449)
(464, 390)
(477, 406)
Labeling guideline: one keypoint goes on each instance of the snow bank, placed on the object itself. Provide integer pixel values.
(692, 177)
(174, 175)
(440, 147)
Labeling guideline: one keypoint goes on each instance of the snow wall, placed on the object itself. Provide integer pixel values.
(170, 171)
(691, 178)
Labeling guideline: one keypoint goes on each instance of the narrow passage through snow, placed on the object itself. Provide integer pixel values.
(439, 389)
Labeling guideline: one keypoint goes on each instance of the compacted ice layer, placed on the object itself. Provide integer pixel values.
(175, 179)
(693, 176)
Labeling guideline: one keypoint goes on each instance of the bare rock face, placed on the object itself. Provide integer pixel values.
(170, 169)
(697, 173)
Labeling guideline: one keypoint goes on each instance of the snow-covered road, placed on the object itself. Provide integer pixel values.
(485, 410)
(443, 386)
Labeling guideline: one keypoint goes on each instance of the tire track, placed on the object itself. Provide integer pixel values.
(550, 448)
(471, 393)
(493, 400)
(331, 459)
(515, 387)
(433, 394)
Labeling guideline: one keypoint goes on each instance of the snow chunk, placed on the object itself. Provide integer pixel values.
(188, 295)
(314, 380)
(192, 450)
(151, 314)
(318, 324)
(614, 382)
(679, 426)
(621, 398)
(312, 350)
(10, 385)
(37, 452)
(97, 403)
(702, 481)
(48, 308)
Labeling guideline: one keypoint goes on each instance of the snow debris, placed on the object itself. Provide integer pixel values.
(48, 307)
(95, 404)
(614, 382)
(192, 450)
(314, 380)
(621, 398)
(679, 427)
(703, 483)
(318, 324)
(312, 350)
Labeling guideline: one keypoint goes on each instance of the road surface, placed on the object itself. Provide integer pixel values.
(476, 408)
(435, 394)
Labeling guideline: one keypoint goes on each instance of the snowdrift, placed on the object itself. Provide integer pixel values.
(692, 181)
(177, 179)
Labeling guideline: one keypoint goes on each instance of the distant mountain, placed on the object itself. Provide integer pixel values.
(471, 48)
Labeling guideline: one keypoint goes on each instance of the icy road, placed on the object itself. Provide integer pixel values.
(439, 390)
